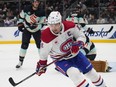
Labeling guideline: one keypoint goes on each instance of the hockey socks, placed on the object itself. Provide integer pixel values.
(78, 78)
(96, 79)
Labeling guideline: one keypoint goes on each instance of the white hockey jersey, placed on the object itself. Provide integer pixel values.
(57, 45)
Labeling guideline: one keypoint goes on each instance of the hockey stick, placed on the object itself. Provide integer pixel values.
(15, 84)
(110, 29)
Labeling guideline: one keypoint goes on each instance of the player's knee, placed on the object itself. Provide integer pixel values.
(77, 77)
(24, 45)
(72, 72)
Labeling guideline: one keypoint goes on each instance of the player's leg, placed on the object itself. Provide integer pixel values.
(89, 50)
(91, 55)
(86, 67)
(37, 36)
(78, 78)
(26, 35)
(66, 68)
(96, 79)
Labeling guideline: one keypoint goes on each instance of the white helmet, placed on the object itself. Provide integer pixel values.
(54, 17)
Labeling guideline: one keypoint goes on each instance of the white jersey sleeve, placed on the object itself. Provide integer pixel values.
(45, 50)
(78, 34)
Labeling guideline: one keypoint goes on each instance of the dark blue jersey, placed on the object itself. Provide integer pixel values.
(32, 19)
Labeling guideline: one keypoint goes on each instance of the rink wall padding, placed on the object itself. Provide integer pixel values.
(104, 33)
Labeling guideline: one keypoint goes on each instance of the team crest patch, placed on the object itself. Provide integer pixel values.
(65, 47)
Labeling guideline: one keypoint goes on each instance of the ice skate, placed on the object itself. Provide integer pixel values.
(19, 64)
(56, 69)
(108, 69)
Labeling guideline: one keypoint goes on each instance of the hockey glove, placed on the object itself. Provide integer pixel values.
(76, 46)
(16, 33)
(21, 27)
(39, 68)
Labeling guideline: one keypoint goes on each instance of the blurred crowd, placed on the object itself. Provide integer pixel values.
(95, 11)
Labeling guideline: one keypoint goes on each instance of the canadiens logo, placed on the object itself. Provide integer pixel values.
(65, 47)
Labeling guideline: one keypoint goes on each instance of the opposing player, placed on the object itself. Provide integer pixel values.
(57, 41)
(89, 49)
(30, 22)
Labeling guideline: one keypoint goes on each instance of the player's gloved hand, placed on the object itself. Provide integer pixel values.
(76, 46)
(90, 31)
(16, 33)
(21, 27)
(39, 68)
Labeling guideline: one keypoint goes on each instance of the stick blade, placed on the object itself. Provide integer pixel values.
(12, 81)
(111, 29)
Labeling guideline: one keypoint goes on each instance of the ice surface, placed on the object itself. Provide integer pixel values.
(9, 59)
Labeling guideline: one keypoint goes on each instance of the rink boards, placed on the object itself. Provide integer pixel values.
(104, 33)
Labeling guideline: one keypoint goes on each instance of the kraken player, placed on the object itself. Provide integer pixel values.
(30, 22)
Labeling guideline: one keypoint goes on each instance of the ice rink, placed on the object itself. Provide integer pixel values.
(9, 58)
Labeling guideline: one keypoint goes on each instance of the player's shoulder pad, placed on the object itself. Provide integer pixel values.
(68, 25)
(27, 8)
(47, 36)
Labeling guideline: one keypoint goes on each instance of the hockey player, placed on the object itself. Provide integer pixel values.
(57, 41)
(30, 22)
(89, 49)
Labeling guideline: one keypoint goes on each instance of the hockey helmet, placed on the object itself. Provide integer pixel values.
(54, 17)
(81, 20)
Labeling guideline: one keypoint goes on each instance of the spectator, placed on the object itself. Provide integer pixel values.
(8, 22)
(91, 19)
(111, 21)
(101, 20)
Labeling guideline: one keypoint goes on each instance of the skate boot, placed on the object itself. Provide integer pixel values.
(20, 62)
(108, 69)
(56, 69)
